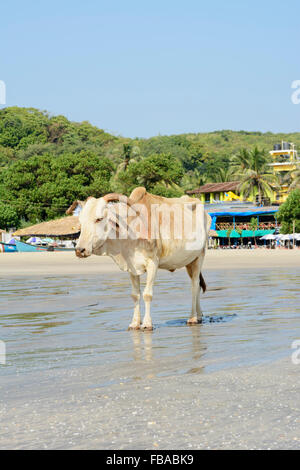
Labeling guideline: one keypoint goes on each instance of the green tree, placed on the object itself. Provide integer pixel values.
(289, 213)
(8, 216)
(20, 127)
(126, 158)
(295, 179)
(240, 232)
(159, 173)
(240, 161)
(222, 175)
(228, 234)
(42, 187)
(254, 226)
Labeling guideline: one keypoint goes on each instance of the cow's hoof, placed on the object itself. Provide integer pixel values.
(147, 328)
(131, 328)
(193, 321)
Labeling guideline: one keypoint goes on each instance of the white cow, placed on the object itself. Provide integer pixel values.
(143, 233)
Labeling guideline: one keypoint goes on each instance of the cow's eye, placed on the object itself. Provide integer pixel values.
(98, 220)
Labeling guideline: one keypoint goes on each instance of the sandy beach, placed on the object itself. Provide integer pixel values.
(75, 378)
(246, 408)
(66, 262)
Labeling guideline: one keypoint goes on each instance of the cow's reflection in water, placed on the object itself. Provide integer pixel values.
(142, 345)
(197, 346)
(181, 356)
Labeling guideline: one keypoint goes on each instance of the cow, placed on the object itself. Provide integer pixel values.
(155, 238)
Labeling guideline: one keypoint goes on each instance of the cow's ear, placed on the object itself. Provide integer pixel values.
(137, 194)
(74, 205)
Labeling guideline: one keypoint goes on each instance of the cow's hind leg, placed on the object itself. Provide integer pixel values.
(194, 271)
(136, 319)
(147, 294)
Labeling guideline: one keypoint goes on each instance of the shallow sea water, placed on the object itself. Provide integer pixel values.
(66, 322)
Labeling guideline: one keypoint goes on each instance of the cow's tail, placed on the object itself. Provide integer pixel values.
(202, 283)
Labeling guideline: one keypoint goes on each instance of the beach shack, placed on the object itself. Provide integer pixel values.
(65, 227)
(232, 217)
(211, 193)
(242, 221)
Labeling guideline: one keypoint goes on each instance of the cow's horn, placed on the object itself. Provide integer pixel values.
(116, 197)
(73, 206)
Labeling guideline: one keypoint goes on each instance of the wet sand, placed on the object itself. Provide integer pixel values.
(247, 408)
(67, 263)
(76, 379)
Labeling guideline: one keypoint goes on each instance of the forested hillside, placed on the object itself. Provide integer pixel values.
(48, 161)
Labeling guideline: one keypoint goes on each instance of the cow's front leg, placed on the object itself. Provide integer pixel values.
(136, 319)
(147, 294)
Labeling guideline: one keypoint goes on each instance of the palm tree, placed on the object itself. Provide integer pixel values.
(222, 175)
(285, 178)
(240, 232)
(295, 179)
(228, 233)
(128, 152)
(257, 179)
(193, 179)
(126, 157)
(240, 161)
(254, 226)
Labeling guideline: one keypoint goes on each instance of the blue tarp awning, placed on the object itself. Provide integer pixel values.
(245, 233)
(242, 213)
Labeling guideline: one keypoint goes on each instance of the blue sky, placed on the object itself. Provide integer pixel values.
(140, 68)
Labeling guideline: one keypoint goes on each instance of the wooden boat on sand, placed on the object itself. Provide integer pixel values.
(7, 248)
(23, 247)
